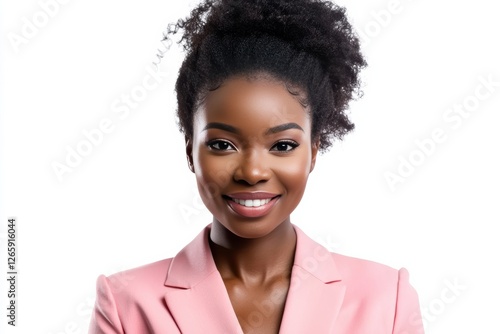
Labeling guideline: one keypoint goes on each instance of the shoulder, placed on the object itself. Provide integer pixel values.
(353, 267)
(377, 291)
(137, 280)
(331, 266)
(132, 301)
(151, 278)
(367, 273)
(369, 278)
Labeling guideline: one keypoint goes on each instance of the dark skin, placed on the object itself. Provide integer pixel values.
(257, 277)
(267, 148)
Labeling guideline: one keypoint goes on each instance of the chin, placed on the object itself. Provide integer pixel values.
(249, 229)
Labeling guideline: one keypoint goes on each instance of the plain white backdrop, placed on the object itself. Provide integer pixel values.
(416, 185)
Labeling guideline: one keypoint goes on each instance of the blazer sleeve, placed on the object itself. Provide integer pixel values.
(105, 319)
(408, 319)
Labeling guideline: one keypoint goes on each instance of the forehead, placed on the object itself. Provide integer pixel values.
(253, 102)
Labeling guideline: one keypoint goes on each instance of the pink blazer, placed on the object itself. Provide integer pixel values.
(329, 293)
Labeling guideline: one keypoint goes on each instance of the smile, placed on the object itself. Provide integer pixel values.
(251, 207)
(252, 202)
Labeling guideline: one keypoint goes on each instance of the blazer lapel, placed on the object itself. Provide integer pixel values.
(316, 292)
(197, 297)
(198, 301)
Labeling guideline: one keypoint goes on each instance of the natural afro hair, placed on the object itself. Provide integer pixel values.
(304, 43)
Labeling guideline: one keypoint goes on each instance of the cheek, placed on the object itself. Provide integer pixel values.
(293, 176)
(213, 174)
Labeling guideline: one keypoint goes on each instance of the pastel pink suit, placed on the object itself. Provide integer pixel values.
(329, 293)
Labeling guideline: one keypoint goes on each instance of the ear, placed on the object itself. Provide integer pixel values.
(314, 152)
(189, 152)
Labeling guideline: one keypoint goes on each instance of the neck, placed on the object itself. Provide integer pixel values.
(253, 260)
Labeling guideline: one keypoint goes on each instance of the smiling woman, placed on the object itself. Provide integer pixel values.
(263, 88)
(260, 136)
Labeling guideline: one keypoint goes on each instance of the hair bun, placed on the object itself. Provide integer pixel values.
(318, 28)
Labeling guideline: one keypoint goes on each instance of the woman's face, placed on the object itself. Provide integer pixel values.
(251, 153)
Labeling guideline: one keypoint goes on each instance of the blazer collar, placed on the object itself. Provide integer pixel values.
(196, 287)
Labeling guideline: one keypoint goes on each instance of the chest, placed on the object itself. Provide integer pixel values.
(259, 307)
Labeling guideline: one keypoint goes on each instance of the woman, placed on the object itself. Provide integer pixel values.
(263, 88)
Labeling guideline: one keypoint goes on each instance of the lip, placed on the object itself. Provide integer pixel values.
(252, 195)
(251, 212)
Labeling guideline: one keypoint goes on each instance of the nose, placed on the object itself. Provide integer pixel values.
(252, 168)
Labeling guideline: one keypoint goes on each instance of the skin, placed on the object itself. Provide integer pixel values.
(253, 255)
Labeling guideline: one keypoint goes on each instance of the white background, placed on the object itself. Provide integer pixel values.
(132, 200)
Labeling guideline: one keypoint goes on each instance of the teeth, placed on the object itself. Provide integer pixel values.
(252, 202)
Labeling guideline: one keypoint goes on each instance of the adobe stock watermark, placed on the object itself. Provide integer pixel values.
(265, 308)
(122, 107)
(79, 322)
(438, 306)
(380, 20)
(32, 25)
(192, 209)
(453, 118)
(328, 241)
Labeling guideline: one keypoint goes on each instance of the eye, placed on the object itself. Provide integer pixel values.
(219, 145)
(284, 146)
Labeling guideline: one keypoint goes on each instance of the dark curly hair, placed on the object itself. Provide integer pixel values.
(307, 44)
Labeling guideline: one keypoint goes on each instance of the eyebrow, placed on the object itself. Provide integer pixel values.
(274, 129)
(283, 127)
